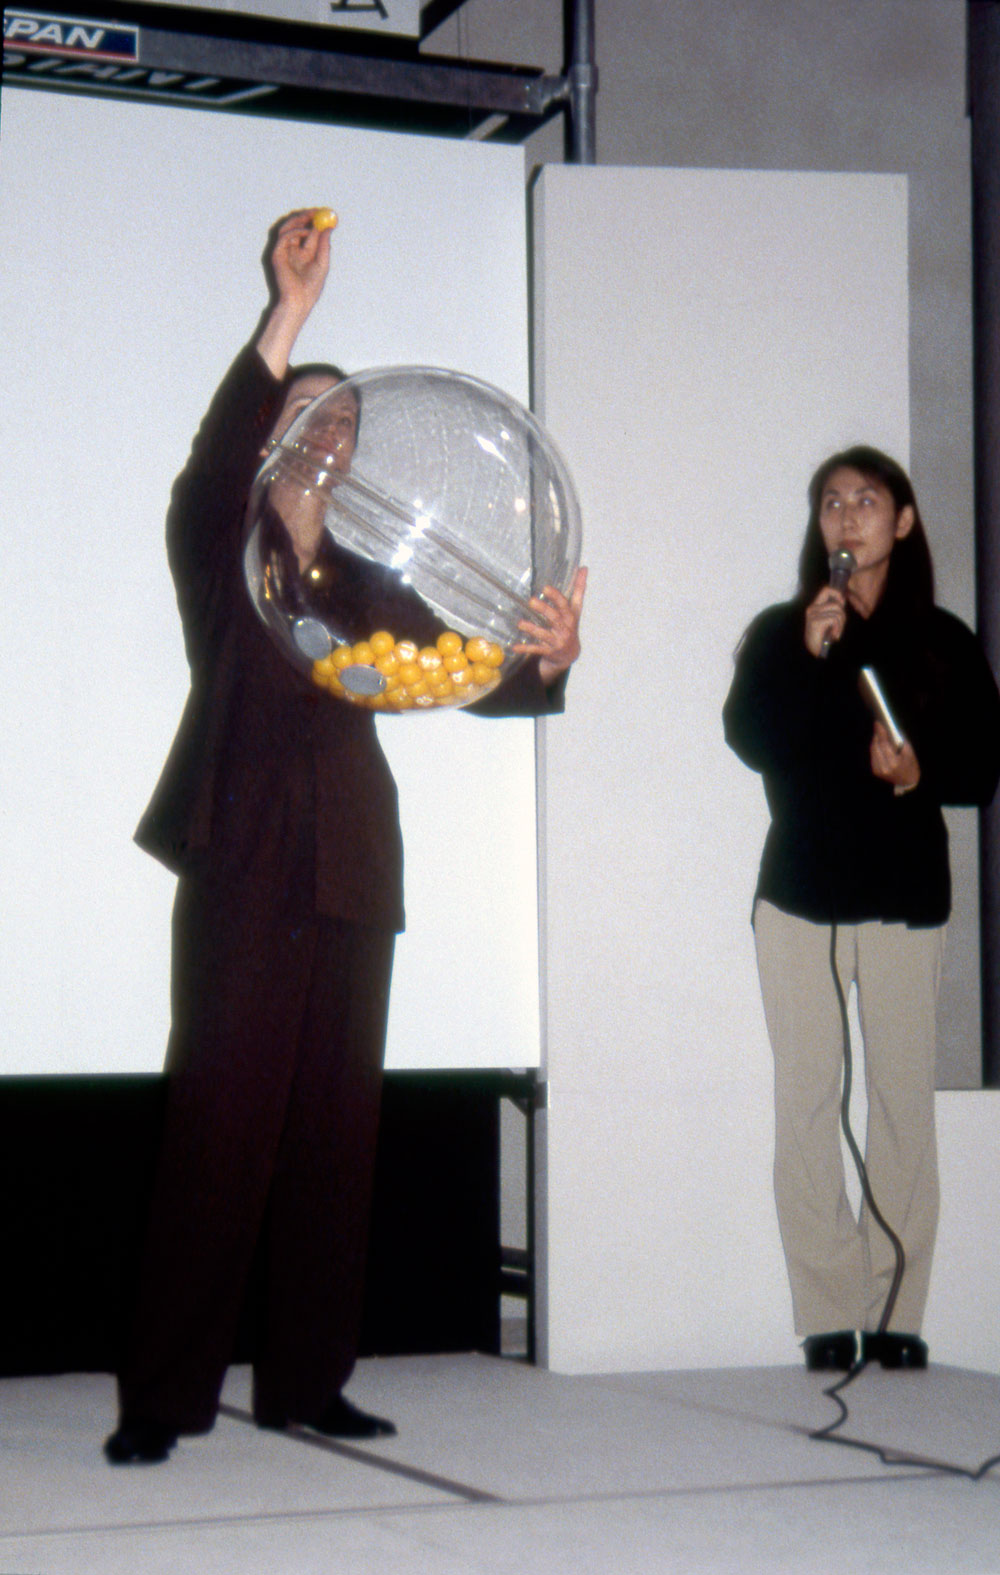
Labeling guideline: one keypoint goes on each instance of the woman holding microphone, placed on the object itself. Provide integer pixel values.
(854, 887)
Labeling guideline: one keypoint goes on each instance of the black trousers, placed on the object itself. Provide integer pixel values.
(274, 1080)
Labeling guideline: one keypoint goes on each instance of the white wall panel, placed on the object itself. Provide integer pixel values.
(704, 340)
(130, 247)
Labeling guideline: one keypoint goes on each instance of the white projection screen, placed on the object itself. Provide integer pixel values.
(131, 240)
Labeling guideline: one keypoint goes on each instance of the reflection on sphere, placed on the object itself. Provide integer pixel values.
(397, 532)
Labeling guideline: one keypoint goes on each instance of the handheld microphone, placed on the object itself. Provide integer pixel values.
(842, 566)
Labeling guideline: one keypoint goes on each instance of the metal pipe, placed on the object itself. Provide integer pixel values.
(581, 75)
(984, 108)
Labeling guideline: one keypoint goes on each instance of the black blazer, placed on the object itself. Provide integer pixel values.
(266, 771)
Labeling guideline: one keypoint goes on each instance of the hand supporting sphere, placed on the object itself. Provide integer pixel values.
(399, 529)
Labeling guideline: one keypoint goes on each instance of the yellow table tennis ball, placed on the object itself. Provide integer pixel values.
(324, 219)
(449, 643)
(342, 656)
(479, 649)
(382, 642)
(476, 648)
(325, 674)
(363, 654)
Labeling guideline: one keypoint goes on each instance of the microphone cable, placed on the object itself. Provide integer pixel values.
(856, 1155)
(830, 1434)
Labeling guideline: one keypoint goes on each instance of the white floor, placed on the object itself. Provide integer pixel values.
(500, 1467)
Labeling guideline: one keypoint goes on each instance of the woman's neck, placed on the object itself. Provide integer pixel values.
(866, 588)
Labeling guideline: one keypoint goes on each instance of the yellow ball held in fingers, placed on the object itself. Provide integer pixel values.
(324, 219)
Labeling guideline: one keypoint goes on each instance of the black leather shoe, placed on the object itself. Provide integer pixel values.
(140, 1443)
(830, 1353)
(340, 1419)
(895, 1350)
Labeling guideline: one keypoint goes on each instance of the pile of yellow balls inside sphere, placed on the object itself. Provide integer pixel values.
(452, 672)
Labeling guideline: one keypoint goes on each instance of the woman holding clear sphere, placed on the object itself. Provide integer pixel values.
(277, 811)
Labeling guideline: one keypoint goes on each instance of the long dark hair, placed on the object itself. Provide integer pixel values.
(911, 574)
(315, 369)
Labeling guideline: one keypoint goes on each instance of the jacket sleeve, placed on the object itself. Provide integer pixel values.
(955, 723)
(524, 694)
(208, 501)
(770, 712)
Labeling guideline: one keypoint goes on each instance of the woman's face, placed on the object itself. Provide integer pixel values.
(859, 513)
(302, 510)
(340, 415)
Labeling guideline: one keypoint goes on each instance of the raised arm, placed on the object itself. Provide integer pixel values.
(208, 501)
(299, 261)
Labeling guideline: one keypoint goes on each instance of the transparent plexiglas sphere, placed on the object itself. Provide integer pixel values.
(397, 532)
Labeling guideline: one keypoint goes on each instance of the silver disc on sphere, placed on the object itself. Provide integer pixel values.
(312, 638)
(362, 680)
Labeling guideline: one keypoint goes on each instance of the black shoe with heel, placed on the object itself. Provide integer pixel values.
(830, 1353)
(895, 1351)
(340, 1419)
(140, 1442)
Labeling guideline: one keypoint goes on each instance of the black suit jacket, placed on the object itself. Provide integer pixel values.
(266, 771)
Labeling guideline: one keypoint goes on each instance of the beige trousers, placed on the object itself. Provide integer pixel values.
(841, 1267)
